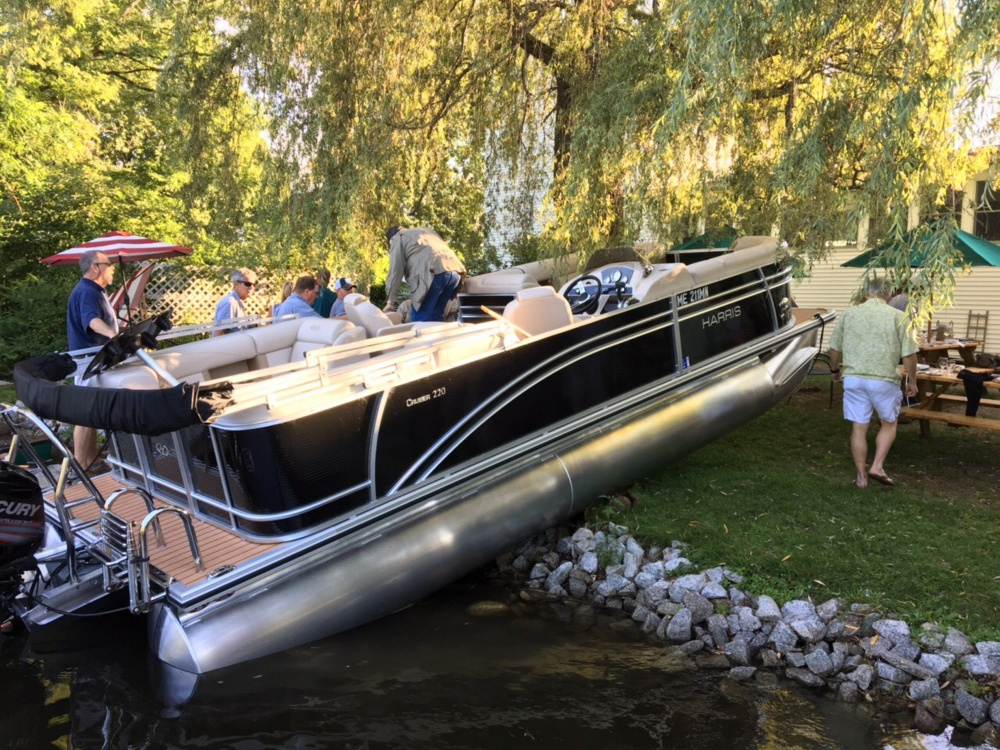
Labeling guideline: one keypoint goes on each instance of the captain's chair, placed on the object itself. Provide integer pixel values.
(538, 310)
(363, 313)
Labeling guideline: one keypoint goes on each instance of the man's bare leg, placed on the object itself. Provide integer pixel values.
(84, 445)
(883, 442)
(859, 451)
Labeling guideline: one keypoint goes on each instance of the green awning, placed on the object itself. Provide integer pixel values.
(721, 238)
(975, 251)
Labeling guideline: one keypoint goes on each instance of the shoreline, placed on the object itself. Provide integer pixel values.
(848, 652)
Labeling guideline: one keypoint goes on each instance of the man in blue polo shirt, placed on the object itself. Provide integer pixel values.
(231, 306)
(90, 322)
(300, 301)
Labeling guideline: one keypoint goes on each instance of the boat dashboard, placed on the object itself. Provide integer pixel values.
(602, 290)
(618, 285)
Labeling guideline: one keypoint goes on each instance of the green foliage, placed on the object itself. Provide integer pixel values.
(95, 133)
(809, 118)
(33, 317)
(7, 394)
(609, 553)
(775, 501)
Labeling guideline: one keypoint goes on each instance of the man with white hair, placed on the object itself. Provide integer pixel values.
(870, 339)
(231, 306)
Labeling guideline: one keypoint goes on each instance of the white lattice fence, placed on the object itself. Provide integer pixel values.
(192, 292)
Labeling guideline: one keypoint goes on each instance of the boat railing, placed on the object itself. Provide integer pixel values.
(18, 420)
(199, 480)
(141, 591)
(126, 563)
(170, 467)
(324, 372)
(284, 515)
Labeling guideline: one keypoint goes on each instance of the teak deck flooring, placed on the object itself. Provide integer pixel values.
(218, 546)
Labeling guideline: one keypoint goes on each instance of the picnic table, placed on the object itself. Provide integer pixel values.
(931, 351)
(932, 391)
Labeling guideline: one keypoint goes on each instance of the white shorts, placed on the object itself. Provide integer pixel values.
(862, 395)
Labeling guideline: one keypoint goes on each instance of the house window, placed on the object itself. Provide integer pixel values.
(987, 211)
(952, 205)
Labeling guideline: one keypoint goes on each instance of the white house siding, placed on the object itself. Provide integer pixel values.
(830, 286)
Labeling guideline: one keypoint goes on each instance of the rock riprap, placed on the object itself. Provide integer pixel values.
(851, 652)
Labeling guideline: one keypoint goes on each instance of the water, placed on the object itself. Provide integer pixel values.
(432, 676)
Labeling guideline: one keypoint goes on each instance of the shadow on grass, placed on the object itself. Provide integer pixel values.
(775, 500)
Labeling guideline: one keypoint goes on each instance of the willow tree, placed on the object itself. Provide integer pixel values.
(645, 118)
(794, 114)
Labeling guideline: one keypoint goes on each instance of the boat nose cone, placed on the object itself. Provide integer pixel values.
(168, 640)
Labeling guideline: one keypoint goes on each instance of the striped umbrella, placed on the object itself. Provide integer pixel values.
(120, 247)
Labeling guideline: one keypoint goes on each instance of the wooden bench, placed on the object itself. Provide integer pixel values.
(951, 398)
(933, 386)
(944, 416)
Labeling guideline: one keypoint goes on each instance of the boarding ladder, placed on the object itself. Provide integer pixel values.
(120, 546)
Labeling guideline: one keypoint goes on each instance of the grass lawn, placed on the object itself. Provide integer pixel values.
(775, 500)
(7, 394)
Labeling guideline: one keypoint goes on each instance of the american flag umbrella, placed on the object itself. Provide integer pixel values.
(120, 247)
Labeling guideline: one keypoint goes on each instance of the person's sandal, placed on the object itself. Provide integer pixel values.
(97, 467)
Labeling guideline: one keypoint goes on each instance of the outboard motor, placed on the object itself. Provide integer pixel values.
(22, 528)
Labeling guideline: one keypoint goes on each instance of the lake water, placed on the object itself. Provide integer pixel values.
(432, 676)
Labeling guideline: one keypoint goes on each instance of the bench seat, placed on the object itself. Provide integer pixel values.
(950, 418)
(962, 399)
(236, 353)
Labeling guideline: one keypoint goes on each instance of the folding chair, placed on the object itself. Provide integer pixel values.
(975, 329)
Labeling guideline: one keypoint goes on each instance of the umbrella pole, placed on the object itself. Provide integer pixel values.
(128, 302)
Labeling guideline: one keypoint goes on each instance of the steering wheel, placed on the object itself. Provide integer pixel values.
(584, 294)
(128, 342)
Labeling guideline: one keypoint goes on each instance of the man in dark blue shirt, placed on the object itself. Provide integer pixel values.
(90, 321)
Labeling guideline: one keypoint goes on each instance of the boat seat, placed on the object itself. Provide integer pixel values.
(364, 314)
(288, 341)
(210, 358)
(508, 281)
(538, 310)
(706, 272)
(319, 333)
(236, 353)
(748, 254)
(273, 343)
(664, 282)
(216, 357)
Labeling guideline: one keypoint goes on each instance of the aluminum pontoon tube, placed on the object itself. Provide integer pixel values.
(411, 554)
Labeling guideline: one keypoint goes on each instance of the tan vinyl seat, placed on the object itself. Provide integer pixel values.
(364, 314)
(508, 281)
(319, 333)
(538, 310)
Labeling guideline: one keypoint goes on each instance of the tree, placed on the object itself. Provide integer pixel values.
(653, 118)
(96, 134)
(796, 114)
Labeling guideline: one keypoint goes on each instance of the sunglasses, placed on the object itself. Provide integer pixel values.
(247, 284)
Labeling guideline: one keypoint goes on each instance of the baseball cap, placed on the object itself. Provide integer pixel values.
(343, 283)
